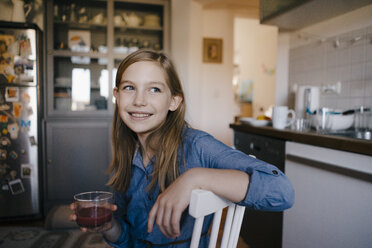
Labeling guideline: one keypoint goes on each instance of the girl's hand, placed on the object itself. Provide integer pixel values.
(170, 205)
(73, 216)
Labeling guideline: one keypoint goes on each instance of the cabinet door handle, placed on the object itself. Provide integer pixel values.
(252, 146)
(49, 161)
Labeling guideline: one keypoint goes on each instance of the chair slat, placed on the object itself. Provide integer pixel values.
(227, 227)
(196, 232)
(203, 203)
(215, 228)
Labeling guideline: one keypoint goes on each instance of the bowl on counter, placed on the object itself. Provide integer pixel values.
(254, 122)
(332, 121)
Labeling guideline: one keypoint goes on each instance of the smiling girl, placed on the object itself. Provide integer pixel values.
(158, 160)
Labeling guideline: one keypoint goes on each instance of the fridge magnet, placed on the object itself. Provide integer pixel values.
(5, 187)
(11, 94)
(3, 118)
(6, 58)
(26, 98)
(25, 125)
(4, 107)
(5, 130)
(17, 107)
(29, 111)
(16, 186)
(212, 50)
(26, 170)
(13, 174)
(3, 154)
(13, 130)
(3, 169)
(33, 141)
(4, 141)
(13, 155)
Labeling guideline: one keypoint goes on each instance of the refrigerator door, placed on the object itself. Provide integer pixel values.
(19, 125)
(19, 152)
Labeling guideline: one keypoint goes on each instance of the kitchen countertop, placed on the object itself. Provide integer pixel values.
(310, 138)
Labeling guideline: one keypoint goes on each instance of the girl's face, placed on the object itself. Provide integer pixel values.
(144, 98)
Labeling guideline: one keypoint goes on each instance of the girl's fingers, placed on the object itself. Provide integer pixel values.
(166, 221)
(175, 221)
(152, 216)
(114, 207)
(72, 217)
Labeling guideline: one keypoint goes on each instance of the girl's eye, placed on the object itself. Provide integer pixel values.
(128, 87)
(155, 90)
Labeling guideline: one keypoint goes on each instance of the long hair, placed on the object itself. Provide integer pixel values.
(164, 140)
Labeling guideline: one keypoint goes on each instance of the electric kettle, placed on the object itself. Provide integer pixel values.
(306, 100)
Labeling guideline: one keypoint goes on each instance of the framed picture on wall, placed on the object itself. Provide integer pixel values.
(212, 50)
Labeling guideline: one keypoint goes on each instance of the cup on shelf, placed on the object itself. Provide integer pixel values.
(93, 210)
(280, 117)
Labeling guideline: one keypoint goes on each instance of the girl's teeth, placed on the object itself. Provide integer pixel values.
(140, 115)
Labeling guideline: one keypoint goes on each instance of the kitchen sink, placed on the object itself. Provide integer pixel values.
(366, 135)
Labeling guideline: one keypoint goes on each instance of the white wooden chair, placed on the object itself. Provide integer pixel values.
(204, 203)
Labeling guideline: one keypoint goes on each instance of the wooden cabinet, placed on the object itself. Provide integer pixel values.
(78, 155)
(85, 42)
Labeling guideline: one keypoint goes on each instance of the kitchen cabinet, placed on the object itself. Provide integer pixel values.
(85, 43)
(78, 155)
(333, 198)
(297, 14)
(267, 228)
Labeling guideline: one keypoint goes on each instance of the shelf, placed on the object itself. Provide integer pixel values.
(76, 25)
(68, 53)
(143, 28)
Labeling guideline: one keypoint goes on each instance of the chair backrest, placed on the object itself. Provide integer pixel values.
(204, 203)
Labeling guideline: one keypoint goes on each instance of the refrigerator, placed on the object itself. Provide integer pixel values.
(20, 77)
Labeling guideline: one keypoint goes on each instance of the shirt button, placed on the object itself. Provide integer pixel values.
(147, 177)
(275, 172)
(149, 197)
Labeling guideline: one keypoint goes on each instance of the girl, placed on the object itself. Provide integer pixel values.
(158, 160)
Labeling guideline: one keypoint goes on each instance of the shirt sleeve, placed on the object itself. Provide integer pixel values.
(124, 239)
(269, 189)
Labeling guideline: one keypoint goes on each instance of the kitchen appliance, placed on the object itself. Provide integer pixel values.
(20, 71)
(306, 100)
(261, 228)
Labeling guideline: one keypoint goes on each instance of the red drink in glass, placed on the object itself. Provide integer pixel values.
(93, 210)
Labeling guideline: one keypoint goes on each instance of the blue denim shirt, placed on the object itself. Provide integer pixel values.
(269, 189)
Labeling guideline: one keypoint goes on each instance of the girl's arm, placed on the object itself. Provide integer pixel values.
(167, 210)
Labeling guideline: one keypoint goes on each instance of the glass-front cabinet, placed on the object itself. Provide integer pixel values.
(86, 41)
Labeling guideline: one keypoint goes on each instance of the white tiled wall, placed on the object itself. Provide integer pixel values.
(322, 62)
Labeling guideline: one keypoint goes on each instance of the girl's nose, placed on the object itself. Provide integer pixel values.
(139, 99)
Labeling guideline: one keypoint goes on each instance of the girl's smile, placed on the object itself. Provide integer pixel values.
(144, 98)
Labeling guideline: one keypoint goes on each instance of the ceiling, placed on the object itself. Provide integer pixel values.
(250, 7)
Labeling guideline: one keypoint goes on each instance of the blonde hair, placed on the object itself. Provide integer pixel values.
(164, 141)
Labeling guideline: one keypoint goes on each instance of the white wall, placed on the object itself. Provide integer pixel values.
(217, 91)
(256, 48)
(281, 92)
(208, 87)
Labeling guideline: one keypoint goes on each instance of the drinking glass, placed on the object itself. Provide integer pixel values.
(93, 210)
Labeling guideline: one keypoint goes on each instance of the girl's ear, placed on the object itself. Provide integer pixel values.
(115, 92)
(175, 102)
